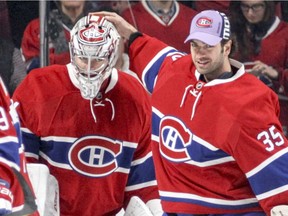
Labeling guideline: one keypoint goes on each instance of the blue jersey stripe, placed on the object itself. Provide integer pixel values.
(265, 181)
(212, 202)
(151, 73)
(136, 174)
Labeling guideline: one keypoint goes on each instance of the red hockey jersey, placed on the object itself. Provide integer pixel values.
(221, 6)
(16, 193)
(98, 150)
(30, 45)
(173, 33)
(218, 147)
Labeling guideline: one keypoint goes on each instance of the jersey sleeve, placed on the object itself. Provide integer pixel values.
(15, 187)
(141, 179)
(262, 151)
(26, 107)
(9, 157)
(148, 67)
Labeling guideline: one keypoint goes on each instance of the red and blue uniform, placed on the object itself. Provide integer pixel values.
(99, 150)
(13, 177)
(218, 147)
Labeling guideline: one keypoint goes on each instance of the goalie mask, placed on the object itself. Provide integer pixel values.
(94, 52)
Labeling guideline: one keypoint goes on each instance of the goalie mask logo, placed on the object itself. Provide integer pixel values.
(93, 34)
(94, 156)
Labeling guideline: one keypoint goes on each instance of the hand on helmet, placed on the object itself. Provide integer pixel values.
(124, 28)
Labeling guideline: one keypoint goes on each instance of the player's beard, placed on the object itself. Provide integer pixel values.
(212, 69)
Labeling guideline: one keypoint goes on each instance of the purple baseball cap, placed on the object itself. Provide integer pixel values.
(210, 27)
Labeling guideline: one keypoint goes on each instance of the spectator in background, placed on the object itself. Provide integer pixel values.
(61, 21)
(12, 66)
(262, 42)
(221, 6)
(165, 20)
(120, 6)
(117, 6)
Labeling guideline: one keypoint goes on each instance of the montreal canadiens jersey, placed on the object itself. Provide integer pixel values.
(12, 195)
(98, 150)
(218, 147)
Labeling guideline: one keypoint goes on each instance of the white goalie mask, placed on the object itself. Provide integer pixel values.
(94, 51)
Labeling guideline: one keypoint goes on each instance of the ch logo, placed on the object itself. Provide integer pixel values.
(175, 137)
(94, 156)
(204, 22)
(93, 34)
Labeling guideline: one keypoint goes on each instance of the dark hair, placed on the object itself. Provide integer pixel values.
(224, 41)
(249, 42)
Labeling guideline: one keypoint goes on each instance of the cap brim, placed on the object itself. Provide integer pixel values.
(204, 37)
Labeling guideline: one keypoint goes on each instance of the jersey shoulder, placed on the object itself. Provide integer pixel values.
(43, 82)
